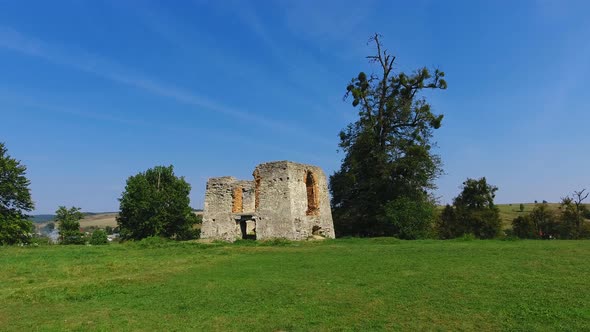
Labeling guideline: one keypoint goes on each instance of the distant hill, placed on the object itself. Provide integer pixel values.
(42, 218)
(45, 218)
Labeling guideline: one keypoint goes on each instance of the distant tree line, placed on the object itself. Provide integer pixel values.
(568, 223)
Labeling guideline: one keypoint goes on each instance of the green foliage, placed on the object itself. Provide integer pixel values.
(156, 203)
(153, 242)
(41, 240)
(388, 149)
(15, 200)
(521, 207)
(573, 224)
(49, 227)
(68, 221)
(473, 212)
(544, 223)
(524, 227)
(448, 225)
(410, 219)
(108, 230)
(99, 237)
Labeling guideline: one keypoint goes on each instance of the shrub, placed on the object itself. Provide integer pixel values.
(411, 219)
(99, 237)
(524, 228)
(73, 238)
(153, 242)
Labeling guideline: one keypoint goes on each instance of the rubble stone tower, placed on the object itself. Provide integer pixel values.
(285, 200)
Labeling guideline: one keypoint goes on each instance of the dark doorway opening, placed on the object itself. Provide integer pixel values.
(248, 228)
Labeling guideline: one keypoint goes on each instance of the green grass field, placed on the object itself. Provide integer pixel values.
(345, 284)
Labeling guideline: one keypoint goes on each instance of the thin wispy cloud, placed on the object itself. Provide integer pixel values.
(102, 67)
(33, 103)
(83, 112)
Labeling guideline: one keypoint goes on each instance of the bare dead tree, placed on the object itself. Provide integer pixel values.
(578, 198)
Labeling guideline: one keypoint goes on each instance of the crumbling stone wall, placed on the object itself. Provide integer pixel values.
(285, 200)
(224, 198)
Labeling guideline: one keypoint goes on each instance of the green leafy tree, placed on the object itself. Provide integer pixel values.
(474, 212)
(521, 207)
(68, 221)
(156, 203)
(15, 200)
(545, 222)
(539, 224)
(388, 150)
(573, 224)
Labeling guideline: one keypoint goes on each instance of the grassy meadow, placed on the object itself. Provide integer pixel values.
(344, 284)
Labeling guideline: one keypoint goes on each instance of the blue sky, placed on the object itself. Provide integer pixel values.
(92, 92)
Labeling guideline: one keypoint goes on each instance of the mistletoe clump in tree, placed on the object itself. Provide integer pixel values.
(388, 153)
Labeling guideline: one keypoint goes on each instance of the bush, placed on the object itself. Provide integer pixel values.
(524, 228)
(99, 237)
(153, 242)
(541, 223)
(73, 238)
(509, 235)
(410, 219)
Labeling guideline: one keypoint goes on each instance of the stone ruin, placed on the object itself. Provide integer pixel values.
(285, 200)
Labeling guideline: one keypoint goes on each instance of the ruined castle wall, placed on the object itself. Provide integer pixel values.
(273, 207)
(285, 200)
(248, 196)
(217, 217)
(310, 202)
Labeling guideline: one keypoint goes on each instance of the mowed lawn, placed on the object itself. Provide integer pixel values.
(345, 284)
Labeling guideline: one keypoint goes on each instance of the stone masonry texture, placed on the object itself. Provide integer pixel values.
(284, 200)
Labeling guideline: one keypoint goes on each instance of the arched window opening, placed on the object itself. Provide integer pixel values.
(312, 194)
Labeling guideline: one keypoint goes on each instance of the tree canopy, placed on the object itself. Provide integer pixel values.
(15, 200)
(473, 212)
(388, 150)
(156, 203)
(68, 222)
